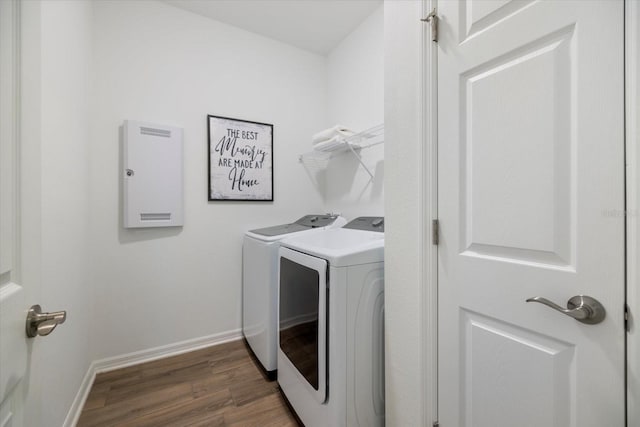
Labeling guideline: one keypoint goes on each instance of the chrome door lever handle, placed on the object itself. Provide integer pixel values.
(39, 323)
(581, 307)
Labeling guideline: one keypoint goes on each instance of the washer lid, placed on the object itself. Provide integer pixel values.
(340, 246)
(307, 222)
(368, 223)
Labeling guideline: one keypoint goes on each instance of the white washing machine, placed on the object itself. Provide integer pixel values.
(331, 325)
(260, 283)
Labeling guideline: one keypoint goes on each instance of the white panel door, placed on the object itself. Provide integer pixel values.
(530, 203)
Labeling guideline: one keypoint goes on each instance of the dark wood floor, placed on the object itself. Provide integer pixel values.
(217, 386)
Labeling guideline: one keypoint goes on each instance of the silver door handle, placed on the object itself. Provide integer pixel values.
(39, 323)
(581, 307)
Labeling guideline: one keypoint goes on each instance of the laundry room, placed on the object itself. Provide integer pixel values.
(145, 292)
(319, 213)
(158, 63)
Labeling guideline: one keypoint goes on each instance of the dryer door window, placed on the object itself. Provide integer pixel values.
(302, 320)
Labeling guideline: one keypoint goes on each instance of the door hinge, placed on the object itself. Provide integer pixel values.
(432, 18)
(435, 232)
(627, 315)
(436, 424)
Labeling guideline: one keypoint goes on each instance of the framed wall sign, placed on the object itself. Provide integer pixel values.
(240, 159)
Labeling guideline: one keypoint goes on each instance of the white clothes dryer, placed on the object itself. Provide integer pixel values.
(260, 283)
(331, 325)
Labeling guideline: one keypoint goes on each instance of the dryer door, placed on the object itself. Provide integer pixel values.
(303, 319)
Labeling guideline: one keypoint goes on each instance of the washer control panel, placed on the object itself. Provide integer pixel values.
(314, 221)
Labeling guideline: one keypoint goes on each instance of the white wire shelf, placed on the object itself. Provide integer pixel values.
(353, 144)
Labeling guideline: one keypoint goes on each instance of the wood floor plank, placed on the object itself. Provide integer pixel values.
(226, 378)
(215, 386)
(152, 382)
(110, 376)
(258, 413)
(142, 404)
(247, 391)
(95, 401)
(207, 408)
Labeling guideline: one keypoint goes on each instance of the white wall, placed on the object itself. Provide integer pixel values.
(161, 64)
(55, 198)
(355, 90)
(406, 238)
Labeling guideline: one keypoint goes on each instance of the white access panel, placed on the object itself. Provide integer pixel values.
(152, 175)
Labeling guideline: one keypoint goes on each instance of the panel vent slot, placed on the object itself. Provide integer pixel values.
(155, 217)
(155, 132)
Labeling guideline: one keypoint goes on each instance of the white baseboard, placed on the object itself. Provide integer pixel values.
(81, 396)
(137, 357)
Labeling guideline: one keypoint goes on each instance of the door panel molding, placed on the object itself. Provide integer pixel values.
(484, 341)
(13, 356)
(480, 15)
(9, 134)
(526, 228)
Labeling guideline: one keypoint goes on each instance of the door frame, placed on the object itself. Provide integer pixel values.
(632, 147)
(13, 407)
(429, 274)
(429, 268)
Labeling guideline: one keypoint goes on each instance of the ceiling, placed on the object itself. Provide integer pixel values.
(314, 25)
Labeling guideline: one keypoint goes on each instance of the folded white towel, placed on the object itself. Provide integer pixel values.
(327, 134)
(334, 144)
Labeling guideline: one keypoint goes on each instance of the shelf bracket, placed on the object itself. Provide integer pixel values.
(355, 153)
